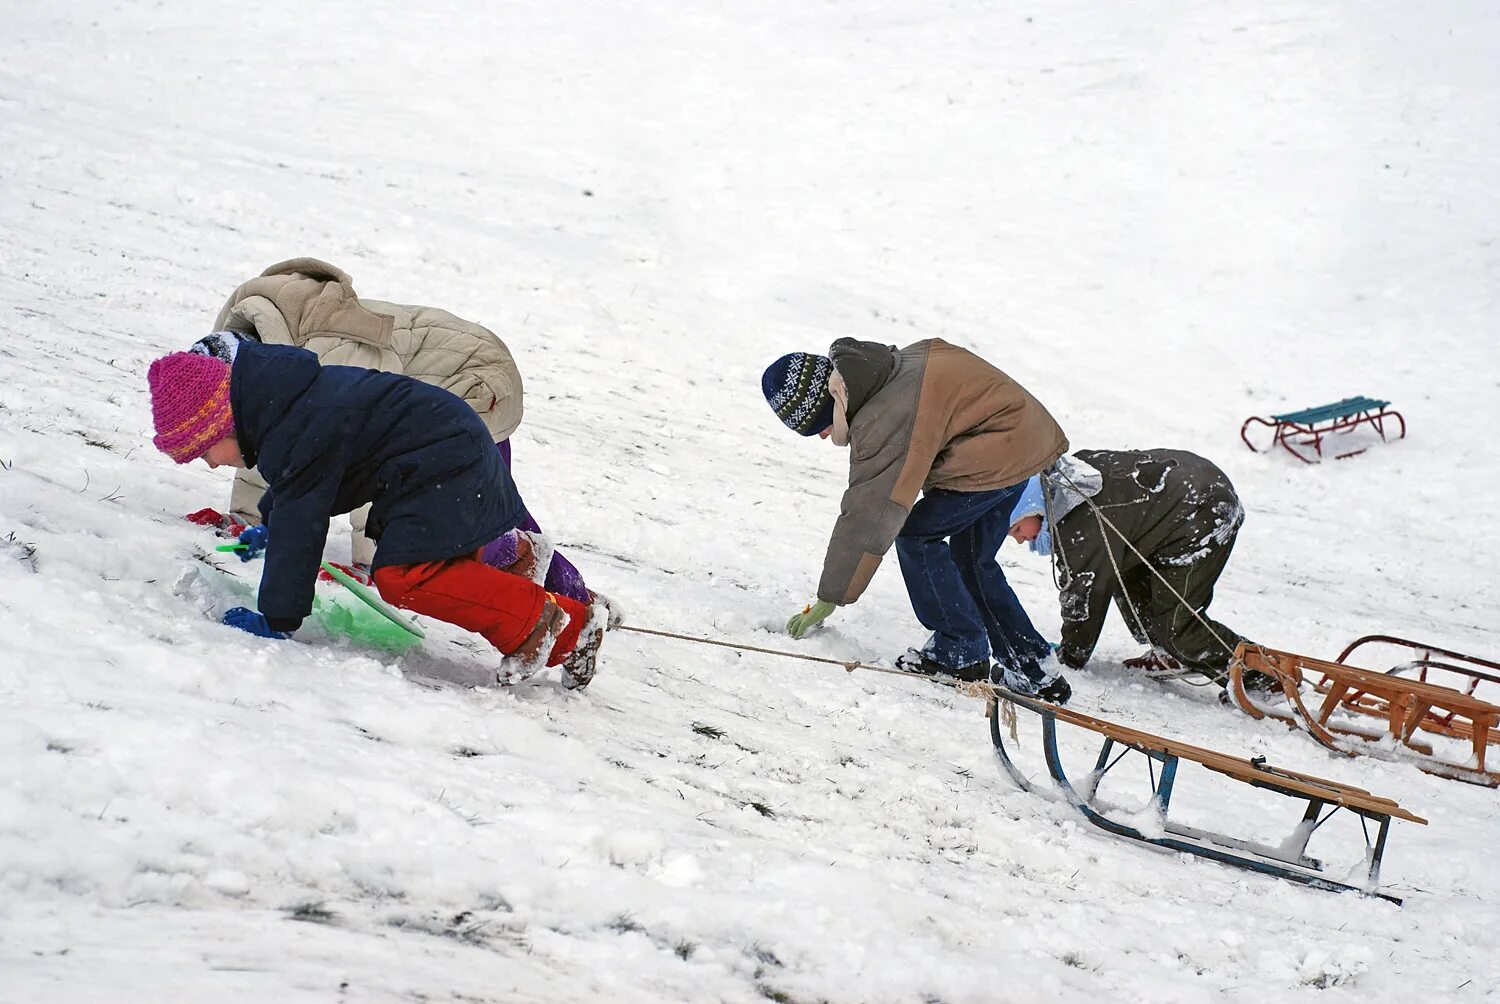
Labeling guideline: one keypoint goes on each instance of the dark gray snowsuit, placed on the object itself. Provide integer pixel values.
(1182, 514)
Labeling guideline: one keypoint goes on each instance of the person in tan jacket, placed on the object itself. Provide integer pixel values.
(312, 305)
(936, 420)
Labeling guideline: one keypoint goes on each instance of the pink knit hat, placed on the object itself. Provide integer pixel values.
(189, 404)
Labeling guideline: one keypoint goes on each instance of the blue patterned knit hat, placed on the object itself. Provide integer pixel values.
(796, 387)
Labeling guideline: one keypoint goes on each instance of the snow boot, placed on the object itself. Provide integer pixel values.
(1153, 661)
(532, 653)
(612, 608)
(580, 665)
(915, 661)
(1035, 681)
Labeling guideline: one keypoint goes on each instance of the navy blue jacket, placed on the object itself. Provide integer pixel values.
(328, 439)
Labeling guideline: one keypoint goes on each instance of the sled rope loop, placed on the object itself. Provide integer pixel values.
(1104, 521)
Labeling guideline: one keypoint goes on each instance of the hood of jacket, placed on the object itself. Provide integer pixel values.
(866, 367)
(279, 379)
(1069, 482)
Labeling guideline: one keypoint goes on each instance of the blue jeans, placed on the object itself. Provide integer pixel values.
(958, 591)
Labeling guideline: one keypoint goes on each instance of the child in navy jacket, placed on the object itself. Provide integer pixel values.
(330, 439)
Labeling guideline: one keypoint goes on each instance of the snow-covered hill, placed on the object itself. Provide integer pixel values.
(1159, 217)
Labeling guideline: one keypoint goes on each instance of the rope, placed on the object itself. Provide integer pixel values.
(1104, 521)
(983, 691)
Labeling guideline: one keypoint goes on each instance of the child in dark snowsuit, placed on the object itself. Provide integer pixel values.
(1173, 518)
(329, 439)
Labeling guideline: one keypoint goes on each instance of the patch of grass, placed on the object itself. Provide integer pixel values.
(471, 933)
(25, 552)
(763, 809)
(99, 444)
(58, 747)
(312, 913)
(766, 956)
(210, 559)
(708, 730)
(684, 950)
(625, 924)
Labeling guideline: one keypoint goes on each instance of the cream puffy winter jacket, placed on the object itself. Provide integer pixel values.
(312, 304)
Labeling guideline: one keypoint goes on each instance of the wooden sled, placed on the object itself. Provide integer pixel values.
(1404, 704)
(1429, 664)
(1288, 861)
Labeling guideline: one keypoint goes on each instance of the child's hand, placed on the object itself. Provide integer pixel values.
(812, 615)
(256, 540)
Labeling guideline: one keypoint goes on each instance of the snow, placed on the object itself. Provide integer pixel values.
(1160, 218)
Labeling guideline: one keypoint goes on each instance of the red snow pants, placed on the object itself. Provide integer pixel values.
(500, 607)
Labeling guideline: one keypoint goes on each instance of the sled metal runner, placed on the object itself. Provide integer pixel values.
(1323, 798)
(1401, 703)
(1313, 424)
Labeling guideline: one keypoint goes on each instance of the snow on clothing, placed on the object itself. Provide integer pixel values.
(1180, 511)
(1072, 481)
(928, 416)
(332, 438)
(312, 304)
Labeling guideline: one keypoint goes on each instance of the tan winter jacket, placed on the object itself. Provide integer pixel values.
(929, 416)
(312, 304)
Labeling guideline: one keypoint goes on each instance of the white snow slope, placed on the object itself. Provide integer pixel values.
(1160, 217)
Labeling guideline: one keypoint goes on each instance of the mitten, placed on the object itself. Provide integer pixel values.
(812, 615)
(249, 620)
(255, 539)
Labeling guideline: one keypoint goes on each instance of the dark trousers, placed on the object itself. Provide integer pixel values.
(1167, 624)
(958, 591)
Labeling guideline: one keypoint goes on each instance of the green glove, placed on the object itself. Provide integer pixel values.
(811, 616)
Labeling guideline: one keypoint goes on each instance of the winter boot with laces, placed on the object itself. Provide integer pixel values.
(915, 661)
(1035, 681)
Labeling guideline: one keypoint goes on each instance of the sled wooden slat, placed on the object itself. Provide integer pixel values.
(1287, 860)
(1426, 660)
(1313, 424)
(1401, 703)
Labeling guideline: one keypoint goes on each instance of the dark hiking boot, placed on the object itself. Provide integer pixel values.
(1154, 661)
(1034, 682)
(1263, 684)
(914, 661)
(1056, 692)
